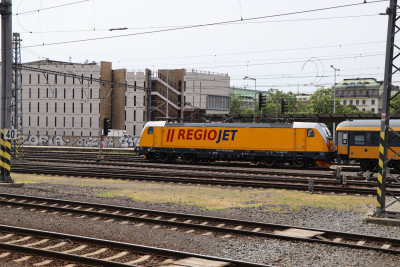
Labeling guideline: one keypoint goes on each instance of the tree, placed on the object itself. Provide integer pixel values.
(235, 105)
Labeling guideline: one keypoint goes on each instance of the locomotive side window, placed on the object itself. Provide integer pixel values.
(310, 133)
(150, 130)
(344, 138)
(359, 139)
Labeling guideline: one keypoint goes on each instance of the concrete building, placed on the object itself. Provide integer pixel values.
(67, 99)
(364, 93)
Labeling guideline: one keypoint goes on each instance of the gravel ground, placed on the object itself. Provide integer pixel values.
(274, 252)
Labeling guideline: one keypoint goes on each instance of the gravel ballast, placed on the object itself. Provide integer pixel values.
(266, 251)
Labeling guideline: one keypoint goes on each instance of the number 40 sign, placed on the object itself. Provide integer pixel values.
(10, 134)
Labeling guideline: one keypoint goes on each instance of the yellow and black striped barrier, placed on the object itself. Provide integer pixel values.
(5, 149)
(381, 187)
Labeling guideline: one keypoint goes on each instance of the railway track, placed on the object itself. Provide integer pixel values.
(225, 179)
(197, 224)
(30, 247)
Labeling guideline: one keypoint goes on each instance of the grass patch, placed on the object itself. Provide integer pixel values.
(204, 197)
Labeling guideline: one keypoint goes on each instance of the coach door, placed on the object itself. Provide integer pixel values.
(342, 146)
(300, 139)
(157, 136)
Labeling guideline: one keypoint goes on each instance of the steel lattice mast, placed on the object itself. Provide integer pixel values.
(387, 153)
(16, 101)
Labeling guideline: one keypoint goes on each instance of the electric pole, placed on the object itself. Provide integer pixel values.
(6, 88)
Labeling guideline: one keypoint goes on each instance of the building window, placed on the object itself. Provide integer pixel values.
(134, 86)
(65, 93)
(82, 108)
(373, 93)
(91, 93)
(29, 106)
(125, 115)
(373, 102)
(125, 100)
(38, 78)
(134, 115)
(65, 81)
(30, 78)
(144, 101)
(348, 93)
(47, 107)
(367, 93)
(73, 107)
(90, 108)
(30, 92)
(82, 94)
(38, 93)
(29, 121)
(90, 122)
(64, 108)
(373, 109)
(55, 107)
(91, 78)
(55, 79)
(38, 122)
(55, 122)
(73, 93)
(47, 121)
(344, 102)
(217, 102)
(47, 92)
(38, 107)
(134, 129)
(81, 122)
(64, 123)
(73, 121)
(351, 102)
(55, 93)
(363, 109)
(357, 102)
(363, 102)
(134, 101)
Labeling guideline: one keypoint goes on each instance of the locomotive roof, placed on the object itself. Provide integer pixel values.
(247, 125)
(366, 124)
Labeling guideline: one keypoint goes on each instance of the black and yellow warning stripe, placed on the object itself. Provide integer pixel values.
(5, 148)
(380, 198)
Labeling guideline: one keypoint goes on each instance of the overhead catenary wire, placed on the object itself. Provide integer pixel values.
(207, 24)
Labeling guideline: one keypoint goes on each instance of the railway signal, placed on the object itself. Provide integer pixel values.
(106, 126)
(284, 106)
(262, 101)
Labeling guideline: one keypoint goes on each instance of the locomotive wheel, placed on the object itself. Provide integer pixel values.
(269, 162)
(149, 156)
(299, 163)
(188, 158)
(163, 157)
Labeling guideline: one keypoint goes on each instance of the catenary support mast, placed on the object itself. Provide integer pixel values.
(6, 87)
(387, 153)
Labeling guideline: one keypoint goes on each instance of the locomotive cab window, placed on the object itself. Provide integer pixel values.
(150, 130)
(359, 139)
(310, 133)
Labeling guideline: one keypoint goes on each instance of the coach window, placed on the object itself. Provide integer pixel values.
(359, 139)
(310, 133)
(150, 130)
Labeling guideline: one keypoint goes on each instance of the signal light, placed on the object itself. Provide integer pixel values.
(106, 126)
(262, 101)
(284, 106)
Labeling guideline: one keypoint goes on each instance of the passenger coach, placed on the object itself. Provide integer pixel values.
(298, 143)
(359, 140)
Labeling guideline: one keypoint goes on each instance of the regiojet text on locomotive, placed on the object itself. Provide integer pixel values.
(201, 134)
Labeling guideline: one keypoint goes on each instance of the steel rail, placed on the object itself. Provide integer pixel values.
(265, 230)
(107, 243)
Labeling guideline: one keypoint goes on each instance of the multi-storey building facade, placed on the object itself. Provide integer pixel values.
(68, 105)
(365, 94)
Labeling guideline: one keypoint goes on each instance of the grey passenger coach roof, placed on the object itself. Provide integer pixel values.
(232, 125)
(367, 123)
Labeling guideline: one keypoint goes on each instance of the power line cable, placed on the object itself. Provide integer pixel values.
(208, 24)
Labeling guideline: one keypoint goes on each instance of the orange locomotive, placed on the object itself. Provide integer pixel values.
(299, 143)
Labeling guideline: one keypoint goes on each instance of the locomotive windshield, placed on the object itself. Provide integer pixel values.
(326, 130)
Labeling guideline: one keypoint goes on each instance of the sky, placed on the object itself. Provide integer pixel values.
(287, 45)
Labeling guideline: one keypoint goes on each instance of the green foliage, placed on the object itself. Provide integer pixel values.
(235, 105)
